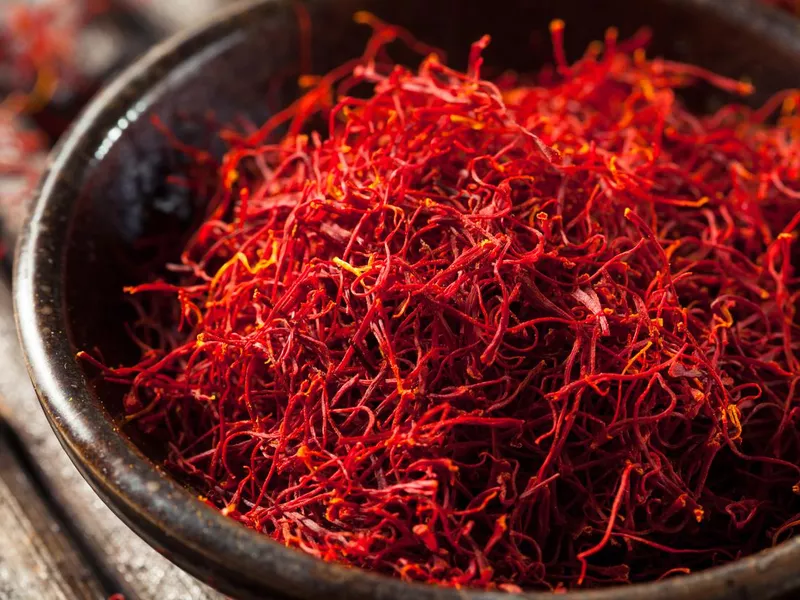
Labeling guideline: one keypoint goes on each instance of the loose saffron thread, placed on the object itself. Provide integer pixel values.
(532, 333)
(623, 488)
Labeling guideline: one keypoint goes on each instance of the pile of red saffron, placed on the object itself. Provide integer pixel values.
(516, 334)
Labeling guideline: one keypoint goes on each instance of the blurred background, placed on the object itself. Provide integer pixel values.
(57, 538)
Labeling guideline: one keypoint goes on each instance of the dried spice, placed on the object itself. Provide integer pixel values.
(532, 333)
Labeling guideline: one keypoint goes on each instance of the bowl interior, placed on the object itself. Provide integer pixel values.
(128, 219)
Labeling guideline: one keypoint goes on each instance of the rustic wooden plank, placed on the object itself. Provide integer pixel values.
(38, 559)
(142, 572)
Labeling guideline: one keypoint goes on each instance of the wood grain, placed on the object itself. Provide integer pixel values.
(113, 548)
(38, 558)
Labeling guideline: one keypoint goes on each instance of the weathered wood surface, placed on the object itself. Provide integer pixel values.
(38, 557)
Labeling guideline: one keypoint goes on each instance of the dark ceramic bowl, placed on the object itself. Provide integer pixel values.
(104, 209)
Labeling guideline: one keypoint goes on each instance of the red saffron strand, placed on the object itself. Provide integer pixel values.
(531, 333)
(623, 488)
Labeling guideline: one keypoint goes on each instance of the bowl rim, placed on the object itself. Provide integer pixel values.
(193, 535)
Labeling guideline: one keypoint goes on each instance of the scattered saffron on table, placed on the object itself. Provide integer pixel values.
(38, 42)
(19, 147)
(537, 333)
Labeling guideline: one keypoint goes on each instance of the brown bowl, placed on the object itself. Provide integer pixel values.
(103, 207)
